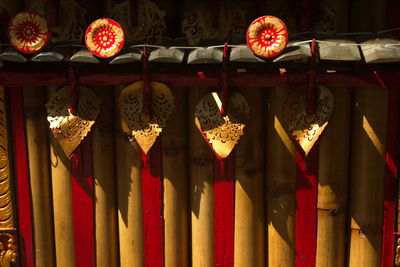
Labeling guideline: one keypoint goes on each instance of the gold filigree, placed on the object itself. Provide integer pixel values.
(222, 132)
(306, 128)
(68, 129)
(397, 256)
(8, 252)
(150, 20)
(72, 19)
(197, 22)
(6, 208)
(146, 128)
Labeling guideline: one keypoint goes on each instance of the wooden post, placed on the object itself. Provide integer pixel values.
(201, 188)
(249, 188)
(39, 171)
(281, 183)
(129, 191)
(333, 180)
(174, 145)
(62, 203)
(105, 181)
(367, 176)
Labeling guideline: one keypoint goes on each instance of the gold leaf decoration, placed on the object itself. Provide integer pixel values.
(145, 128)
(306, 128)
(69, 130)
(8, 253)
(222, 131)
(6, 208)
(197, 24)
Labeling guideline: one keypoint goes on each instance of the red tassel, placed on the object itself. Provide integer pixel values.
(224, 80)
(146, 82)
(73, 81)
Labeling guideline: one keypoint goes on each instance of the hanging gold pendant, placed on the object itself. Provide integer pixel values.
(306, 128)
(69, 130)
(222, 132)
(145, 128)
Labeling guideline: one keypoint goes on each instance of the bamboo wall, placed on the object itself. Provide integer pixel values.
(351, 164)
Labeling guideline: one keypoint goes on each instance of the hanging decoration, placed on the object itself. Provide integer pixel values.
(149, 20)
(8, 251)
(306, 127)
(267, 36)
(71, 19)
(199, 24)
(104, 37)
(68, 129)
(28, 32)
(221, 131)
(145, 127)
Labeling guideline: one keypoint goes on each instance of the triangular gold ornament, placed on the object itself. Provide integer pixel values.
(69, 130)
(146, 127)
(306, 128)
(222, 131)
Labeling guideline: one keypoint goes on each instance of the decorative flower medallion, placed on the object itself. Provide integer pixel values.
(28, 32)
(267, 36)
(222, 132)
(104, 37)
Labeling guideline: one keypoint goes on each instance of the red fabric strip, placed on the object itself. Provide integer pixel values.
(306, 208)
(224, 211)
(391, 181)
(83, 204)
(21, 176)
(152, 191)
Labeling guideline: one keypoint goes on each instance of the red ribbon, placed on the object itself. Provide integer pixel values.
(54, 6)
(146, 82)
(225, 79)
(73, 81)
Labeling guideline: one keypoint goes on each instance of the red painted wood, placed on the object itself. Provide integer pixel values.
(21, 176)
(224, 211)
(391, 180)
(152, 191)
(83, 205)
(306, 208)
(368, 79)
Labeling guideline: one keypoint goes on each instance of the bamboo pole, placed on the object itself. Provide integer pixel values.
(201, 188)
(333, 181)
(281, 183)
(367, 176)
(129, 188)
(62, 203)
(39, 172)
(249, 186)
(174, 143)
(104, 181)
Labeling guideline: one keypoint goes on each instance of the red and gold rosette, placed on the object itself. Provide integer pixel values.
(267, 36)
(104, 37)
(28, 32)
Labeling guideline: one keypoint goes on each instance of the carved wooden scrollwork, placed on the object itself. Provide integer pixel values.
(145, 128)
(68, 129)
(222, 131)
(306, 128)
(8, 252)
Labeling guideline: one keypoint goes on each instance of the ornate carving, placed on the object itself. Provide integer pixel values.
(151, 23)
(8, 252)
(68, 129)
(197, 22)
(6, 208)
(72, 19)
(145, 128)
(222, 132)
(306, 128)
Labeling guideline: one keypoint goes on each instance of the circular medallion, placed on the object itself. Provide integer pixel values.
(28, 32)
(267, 36)
(104, 37)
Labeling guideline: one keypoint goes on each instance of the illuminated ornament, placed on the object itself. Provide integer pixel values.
(68, 129)
(267, 36)
(222, 132)
(145, 128)
(28, 32)
(104, 37)
(307, 127)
